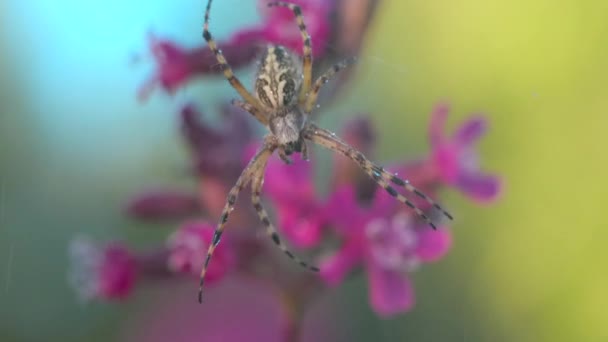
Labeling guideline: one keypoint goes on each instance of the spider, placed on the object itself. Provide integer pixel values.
(284, 97)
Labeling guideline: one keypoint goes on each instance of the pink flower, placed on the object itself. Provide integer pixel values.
(188, 250)
(388, 246)
(217, 151)
(456, 160)
(301, 215)
(359, 133)
(177, 65)
(102, 272)
(163, 204)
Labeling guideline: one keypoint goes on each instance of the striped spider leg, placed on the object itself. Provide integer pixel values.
(307, 53)
(311, 100)
(259, 112)
(254, 174)
(283, 99)
(244, 179)
(383, 178)
(256, 188)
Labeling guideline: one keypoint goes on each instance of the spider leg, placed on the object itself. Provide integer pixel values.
(234, 81)
(284, 157)
(329, 140)
(252, 110)
(304, 152)
(328, 75)
(259, 159)
(307, 58)
(256, 188)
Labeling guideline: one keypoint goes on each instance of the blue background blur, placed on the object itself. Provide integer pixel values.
(75, 144)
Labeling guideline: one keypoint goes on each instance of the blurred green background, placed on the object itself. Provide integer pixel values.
(75, 145)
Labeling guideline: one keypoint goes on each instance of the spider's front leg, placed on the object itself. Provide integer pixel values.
(225, 67)
(383, 178)
(307, 53)
(259, 159)
(311, 100)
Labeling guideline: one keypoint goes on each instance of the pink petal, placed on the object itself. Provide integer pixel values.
(290, 182)
(163, 204)
(360, 134)
(439, 116)
(177, 65)
(335, 267)
(433, 244)
(302, 228)
(344, 211)
(188, 249)
(470, 131)
(196, 132)
(483, 188)
(118, 272)
(216, 151)
(390, 292)
(446, 161)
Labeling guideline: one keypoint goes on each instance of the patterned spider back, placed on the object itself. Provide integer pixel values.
(278, 79)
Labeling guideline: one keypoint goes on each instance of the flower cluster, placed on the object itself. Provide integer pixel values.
(375, 233)
(367, 229)
(177, 65)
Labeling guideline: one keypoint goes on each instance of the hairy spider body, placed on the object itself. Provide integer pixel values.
(283, 99)
(278, 79)
(277, 86)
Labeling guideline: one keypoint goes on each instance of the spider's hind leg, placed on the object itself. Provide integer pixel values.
(256, 188)
(383, 178)
(389, 177)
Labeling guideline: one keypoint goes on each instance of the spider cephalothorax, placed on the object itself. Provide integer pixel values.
(283, 99)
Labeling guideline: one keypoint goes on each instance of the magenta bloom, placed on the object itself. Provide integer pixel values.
(217, 150)
(163, 204)
(188, 249)
(300, 213)
(456, 160)
(102, 272)
(176, 65)
(388, 245)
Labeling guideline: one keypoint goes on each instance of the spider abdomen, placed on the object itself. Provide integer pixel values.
(278, 79)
